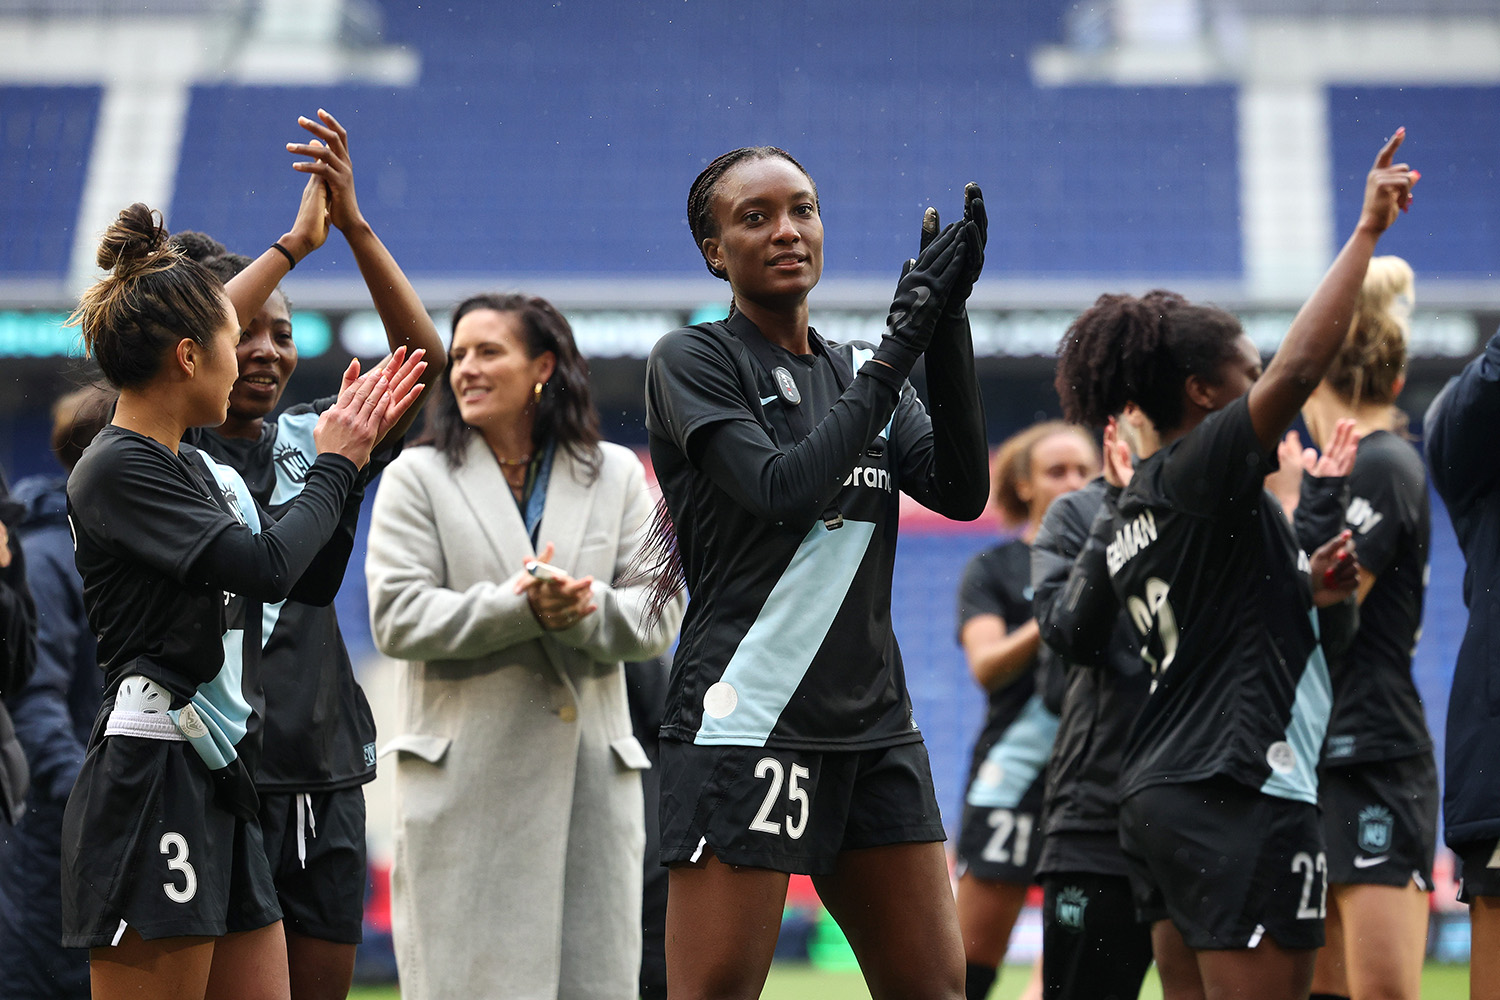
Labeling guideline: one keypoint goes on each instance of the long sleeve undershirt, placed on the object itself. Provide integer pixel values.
(304, 554)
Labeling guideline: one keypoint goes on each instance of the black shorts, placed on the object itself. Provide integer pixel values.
(1380, 821)
(145, 845)
(1091, 851)
(792, 810)
(316, 845)
(1226, 864)
(1093, 945)
(1479, 869)
(1001, 845)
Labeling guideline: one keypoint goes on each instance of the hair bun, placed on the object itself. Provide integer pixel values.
(132, 240)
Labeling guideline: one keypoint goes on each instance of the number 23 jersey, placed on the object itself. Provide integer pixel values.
(1207, 568)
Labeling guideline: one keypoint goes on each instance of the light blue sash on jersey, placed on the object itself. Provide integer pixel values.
(1014, 762)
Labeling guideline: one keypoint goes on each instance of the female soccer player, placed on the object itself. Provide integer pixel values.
(1219, 795)
(1000, 834)
(1093, 945)
(788, 744)
(319, 735)
(1378, 779)
(164, 874)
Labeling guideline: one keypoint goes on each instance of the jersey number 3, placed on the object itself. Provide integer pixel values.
(796, 796)
(178, 862)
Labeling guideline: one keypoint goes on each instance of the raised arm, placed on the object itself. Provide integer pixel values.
(951, 471)
(249, 289)
(1323, 322)
(737, 453)
(316, 530)
(401, 311)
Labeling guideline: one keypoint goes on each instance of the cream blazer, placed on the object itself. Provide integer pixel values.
(519, 831)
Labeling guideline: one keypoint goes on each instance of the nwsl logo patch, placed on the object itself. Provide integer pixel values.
(292, 464)
(1375, 825)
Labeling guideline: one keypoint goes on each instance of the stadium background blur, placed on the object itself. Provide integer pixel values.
(1215, 147)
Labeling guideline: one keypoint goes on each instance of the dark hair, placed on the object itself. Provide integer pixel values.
(700, 206)
(213, 255)
(1125, 349)
(153, 297)
(565, 412)
(1373, 358)
(76, 418)
(1013, 464)
(210, 253)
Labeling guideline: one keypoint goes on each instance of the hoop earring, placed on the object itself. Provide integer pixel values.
(536, 393)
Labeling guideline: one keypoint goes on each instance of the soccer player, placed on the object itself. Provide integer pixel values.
(1000, 834)
(319, 736)
(165, 876)
(1218, 813)
(1378, 780)
(1093, 944)
(789, 744)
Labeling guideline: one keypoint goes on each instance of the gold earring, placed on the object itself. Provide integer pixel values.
(536, 393)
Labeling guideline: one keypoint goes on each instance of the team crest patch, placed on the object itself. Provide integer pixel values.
(369, 755)
(1375, 826)
(1069, 909)
(787, 386)
(292, 464)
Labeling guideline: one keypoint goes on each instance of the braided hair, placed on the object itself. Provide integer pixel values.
(154, 297)
(1372, 360)
(700, 206)
(1125, 349)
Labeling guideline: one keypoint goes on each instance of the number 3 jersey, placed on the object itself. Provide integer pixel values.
(1207, 568)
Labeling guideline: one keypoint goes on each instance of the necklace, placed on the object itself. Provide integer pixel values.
(514, 462)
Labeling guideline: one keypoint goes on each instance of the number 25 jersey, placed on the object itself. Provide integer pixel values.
(1207, 568)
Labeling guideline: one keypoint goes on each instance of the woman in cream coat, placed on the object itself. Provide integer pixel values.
(519, 825)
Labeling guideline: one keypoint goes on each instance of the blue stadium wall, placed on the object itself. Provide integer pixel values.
(562, 138)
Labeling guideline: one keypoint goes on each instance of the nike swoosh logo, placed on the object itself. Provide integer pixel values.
(1370, 862)
(769, 399)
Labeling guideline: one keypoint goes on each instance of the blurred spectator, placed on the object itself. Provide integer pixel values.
(646, 691)
(53, 713)
(17, 655)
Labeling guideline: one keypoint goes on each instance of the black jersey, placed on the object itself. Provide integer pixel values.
(1104, 690)
(319, 731)
(997, 582)
(141, 516)
(1377, 712)
(782, 484)
(1207, 568)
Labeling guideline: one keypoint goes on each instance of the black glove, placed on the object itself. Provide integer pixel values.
(921, 295)
(929, 233)
(978, 234)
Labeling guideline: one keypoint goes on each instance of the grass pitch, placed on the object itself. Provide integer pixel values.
(800, 981)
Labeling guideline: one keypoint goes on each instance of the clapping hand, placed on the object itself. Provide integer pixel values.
(330, 161)
(369, 404)
(560, 602)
